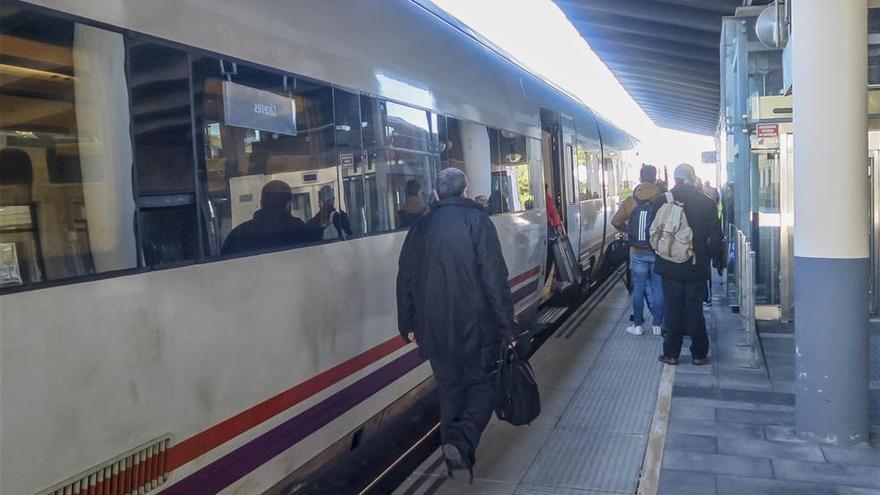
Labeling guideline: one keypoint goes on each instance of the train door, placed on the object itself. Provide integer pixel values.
(568, 179)
(558, 147)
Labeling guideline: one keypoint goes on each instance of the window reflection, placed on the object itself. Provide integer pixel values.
(163, 152)
(611, 168)
(589, 174)
(466, 145)
(511, 183)
(66, 201)
(242, 161)
(352, 160)
(399, 163)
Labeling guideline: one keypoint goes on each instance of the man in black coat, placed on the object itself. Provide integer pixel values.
(454, 301)
(684, 284)
(272, 226)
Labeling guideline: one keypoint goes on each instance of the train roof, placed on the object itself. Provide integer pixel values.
(414, 53)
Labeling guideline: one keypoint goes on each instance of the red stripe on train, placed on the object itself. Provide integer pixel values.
(228, 429)
(220, 433)
(522, 277)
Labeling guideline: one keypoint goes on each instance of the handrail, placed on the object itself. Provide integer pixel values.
(745, 281)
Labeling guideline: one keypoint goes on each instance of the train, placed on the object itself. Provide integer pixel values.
(138, 355)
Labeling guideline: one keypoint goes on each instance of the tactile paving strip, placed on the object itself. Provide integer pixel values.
(600, 440)
(589, 460)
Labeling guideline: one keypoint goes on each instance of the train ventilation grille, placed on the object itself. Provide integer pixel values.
(136, 472)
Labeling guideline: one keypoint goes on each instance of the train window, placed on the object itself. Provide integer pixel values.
(570, 182)
(351, 158)
(399, 163)
(589, 174)
(466, 145)
(407, 128)
(66, 203)
(613, 178)
(269, 146)
(511, 181)
(163, 152)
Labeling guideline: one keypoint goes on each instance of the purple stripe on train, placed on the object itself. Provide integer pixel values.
(237, 464)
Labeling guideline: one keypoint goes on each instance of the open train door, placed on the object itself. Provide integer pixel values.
(559, 138)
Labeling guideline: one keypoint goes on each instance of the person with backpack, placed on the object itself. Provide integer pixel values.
(685, 235)
(634, 218)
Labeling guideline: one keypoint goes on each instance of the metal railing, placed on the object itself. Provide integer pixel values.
(745, 292)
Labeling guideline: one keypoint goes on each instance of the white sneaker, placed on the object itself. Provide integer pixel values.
(657, 330)
(634, 329)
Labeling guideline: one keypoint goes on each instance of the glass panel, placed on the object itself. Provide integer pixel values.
(163, 152)
(511, 184)
(407, 128)
(465, 145)
(66, 202)
(253, 175)
(571, 175)
(613, 179)
(589, 176)
(351, 159)
(767, 262)
(399, 174)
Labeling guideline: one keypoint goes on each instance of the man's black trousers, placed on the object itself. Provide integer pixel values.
(467, 400)
(683, 314)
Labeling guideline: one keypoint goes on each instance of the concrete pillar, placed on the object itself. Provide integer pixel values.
(831, 219)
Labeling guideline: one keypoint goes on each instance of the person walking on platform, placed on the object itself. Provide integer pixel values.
(634, 219)
(454, 302)
(684, 283)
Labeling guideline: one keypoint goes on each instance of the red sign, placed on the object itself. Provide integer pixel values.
(346, 159)
(767, 130)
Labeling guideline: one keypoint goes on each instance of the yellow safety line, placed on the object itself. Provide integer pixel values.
(649, 482)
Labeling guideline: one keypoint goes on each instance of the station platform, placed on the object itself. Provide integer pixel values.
(616, 421)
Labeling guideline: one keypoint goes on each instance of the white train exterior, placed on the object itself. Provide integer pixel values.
(224, 374)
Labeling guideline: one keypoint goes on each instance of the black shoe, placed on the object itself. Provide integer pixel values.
(459, 468)
(700, 361)
(667, 360)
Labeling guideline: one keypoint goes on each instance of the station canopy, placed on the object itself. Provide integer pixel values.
(665, 53)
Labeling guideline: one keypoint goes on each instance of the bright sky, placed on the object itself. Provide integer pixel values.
(539, 35)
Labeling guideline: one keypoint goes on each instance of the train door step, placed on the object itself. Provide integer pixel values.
(549, 315)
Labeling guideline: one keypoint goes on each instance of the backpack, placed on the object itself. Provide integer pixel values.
(671, 236)
(639, 225)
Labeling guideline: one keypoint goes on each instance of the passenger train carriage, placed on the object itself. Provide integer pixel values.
(137, 353)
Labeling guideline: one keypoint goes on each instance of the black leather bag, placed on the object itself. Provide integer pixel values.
(518, 401)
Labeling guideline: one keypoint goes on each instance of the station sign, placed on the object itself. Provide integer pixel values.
(710, 157)
(767, 130)
(252, 108)
(346, 159)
